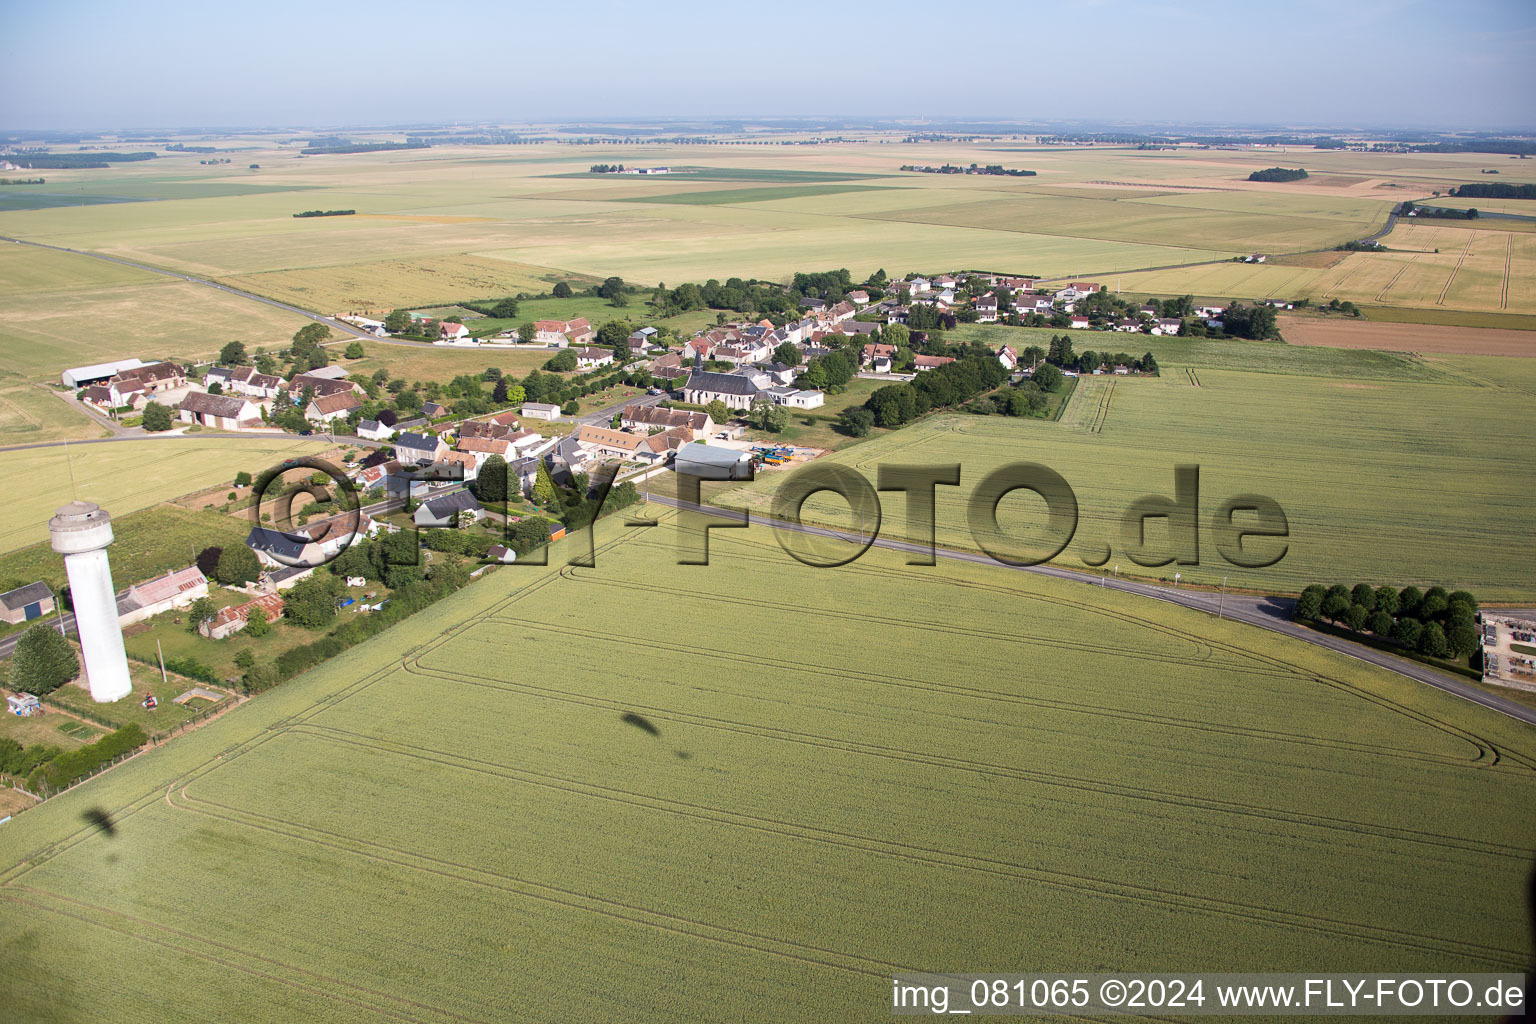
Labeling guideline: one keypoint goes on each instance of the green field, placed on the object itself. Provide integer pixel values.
(1386, 467)
(125, 476)
(427, 830)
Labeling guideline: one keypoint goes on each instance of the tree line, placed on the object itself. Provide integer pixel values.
(1278, 174)
(48, 769)
(326, 213)
(1436, 622)
(1494, 190)
(972, 169)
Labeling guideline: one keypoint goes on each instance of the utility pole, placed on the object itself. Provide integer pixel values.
(1221, 607)
(161, 652)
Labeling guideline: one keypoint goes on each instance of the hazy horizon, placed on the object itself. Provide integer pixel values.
(176, 65)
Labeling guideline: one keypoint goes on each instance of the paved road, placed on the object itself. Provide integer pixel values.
(1265, 612)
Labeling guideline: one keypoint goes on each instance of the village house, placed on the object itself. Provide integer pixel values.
(374, 430)
(309, 545)
(132, 393)
(859, 298)
(500, 425)
(931, 362)
(1008, 357)
(244, 380)
(986, 308)
(1028, 303)
(432, 410)
(319, 387)
(562, 333)
(325, 409)
(419, 449)
(481, 448)
(24, 604)
(795, 398)
(221, 412)
(1079, 322)
(233, 619)
(606, 443)
(451, 331)
(647, 417)
(444, 511)
(592, 358)
(1168, 326)
(876, 351)
(668, 367)
(155, 377)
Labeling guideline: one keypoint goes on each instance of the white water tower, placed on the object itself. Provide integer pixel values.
(81, 531)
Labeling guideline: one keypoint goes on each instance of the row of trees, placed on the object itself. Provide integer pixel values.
(1434, 622)
(49, 769)
(948, 385)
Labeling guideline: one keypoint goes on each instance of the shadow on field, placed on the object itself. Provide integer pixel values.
(644, 724)
(101, 819)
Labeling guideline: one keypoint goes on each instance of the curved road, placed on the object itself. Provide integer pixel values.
(1269, 613)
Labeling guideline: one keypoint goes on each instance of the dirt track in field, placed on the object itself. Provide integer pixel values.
(1468, 341)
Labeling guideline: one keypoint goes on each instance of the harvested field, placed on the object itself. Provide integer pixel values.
(1339, 333)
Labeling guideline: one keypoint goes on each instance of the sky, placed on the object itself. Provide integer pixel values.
(188, 63)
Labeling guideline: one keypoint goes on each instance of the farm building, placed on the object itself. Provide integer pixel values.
(444, 511)
(175, 589)
(23, 604)
(713, 463)
(97, 373)
(222, 412)
(233, 619)
(540, 411)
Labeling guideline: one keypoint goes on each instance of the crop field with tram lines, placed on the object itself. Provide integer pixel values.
(497, 828)
(1369, 458)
